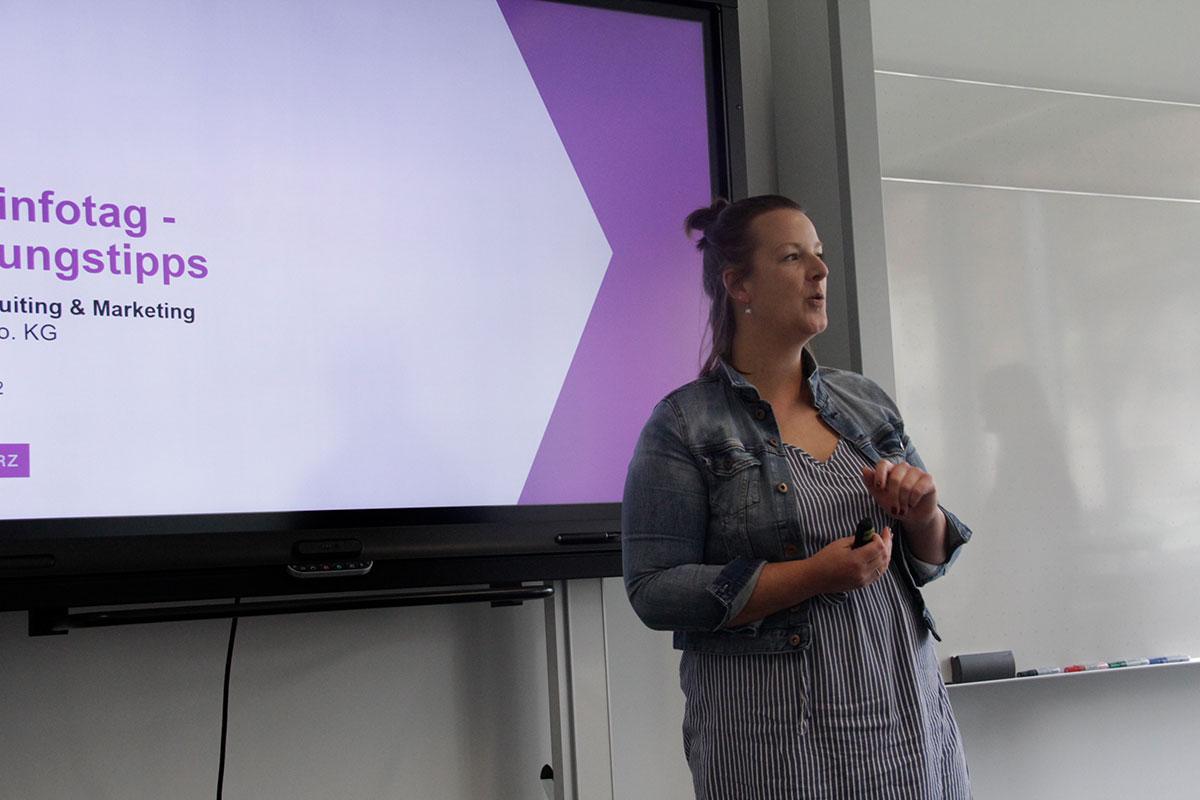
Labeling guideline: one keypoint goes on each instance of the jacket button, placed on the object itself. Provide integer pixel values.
(790, 550)
(760, 414)
(773, 442)
(794, 640)
(782, 488)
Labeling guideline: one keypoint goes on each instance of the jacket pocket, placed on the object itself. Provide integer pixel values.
(734, 477)
(727, 460)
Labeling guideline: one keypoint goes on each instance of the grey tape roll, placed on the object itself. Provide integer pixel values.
(971, 667)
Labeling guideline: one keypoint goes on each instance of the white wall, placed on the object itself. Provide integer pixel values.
(418, 703)
(110, 713)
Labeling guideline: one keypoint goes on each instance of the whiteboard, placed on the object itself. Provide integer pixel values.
(1044, 278)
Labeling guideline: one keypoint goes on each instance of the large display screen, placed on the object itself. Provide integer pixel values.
(309, 256)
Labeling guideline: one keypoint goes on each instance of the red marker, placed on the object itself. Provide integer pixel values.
(1075, 668)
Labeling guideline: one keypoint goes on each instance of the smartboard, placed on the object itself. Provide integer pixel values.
(404, 277)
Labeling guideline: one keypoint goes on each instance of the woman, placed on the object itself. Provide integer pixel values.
(808, 667)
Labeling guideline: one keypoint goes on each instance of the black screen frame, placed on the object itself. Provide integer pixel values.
(61, 562)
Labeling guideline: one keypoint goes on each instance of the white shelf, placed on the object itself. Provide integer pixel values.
(1115, 670)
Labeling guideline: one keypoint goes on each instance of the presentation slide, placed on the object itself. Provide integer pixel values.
(285, 255)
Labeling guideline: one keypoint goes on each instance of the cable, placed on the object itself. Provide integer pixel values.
(225, 701)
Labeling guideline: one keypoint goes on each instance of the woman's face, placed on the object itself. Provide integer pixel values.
(785, 287)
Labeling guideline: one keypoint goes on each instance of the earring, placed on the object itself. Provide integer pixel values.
(747, 309)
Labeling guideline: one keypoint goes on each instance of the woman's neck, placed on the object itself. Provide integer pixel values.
(777, 372)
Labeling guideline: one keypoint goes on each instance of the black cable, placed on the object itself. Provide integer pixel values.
(225, 702)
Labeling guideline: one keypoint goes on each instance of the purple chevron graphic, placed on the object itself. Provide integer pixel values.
(626, 93)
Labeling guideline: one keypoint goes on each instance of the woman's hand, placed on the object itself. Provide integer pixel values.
(843, 567)
(906, 492)
(837, 567)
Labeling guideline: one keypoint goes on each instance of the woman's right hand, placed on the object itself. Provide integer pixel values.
(837, 567)
(841, 567)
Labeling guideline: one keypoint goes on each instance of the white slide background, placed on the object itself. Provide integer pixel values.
(401, 257)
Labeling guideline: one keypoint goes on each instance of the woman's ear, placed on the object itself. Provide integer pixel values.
(736, 285)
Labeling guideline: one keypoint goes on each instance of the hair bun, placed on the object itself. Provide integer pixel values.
(704, 218)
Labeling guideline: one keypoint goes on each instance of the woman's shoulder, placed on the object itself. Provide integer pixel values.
(701, 389)
(684, 405)
(856, 388)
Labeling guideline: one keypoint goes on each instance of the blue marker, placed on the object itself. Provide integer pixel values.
(1169, 660)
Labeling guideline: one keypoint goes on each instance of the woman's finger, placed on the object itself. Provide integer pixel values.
(891, 491)
(883, 468)
(883, 549)
(870, 481)
(906, 493)
(925, 490)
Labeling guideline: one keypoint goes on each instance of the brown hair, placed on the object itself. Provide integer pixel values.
(727, 243)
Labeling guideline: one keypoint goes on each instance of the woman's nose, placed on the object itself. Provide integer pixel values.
(819, 269)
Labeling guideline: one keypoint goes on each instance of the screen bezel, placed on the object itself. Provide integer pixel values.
(113, 560)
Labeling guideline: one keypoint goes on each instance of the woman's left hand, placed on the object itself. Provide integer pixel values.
(906, 492)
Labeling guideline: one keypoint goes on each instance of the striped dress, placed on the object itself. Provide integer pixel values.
(862, 714)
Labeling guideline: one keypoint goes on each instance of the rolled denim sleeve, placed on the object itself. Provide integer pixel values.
(664, 525)
(922, 571)
(957, 535)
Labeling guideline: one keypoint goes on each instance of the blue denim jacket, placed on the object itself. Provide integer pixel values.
(706, 506)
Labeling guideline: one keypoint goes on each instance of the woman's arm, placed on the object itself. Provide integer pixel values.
(928, 542)
(837, 567)
(664, 526)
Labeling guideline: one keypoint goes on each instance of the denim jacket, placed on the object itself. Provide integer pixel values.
(707, 505)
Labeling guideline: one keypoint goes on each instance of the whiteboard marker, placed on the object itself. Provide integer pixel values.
(1029, 673)
(1074, 668)
(1096, 666)
(1169, 660)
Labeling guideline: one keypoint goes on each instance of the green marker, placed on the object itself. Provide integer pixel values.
(864, 533)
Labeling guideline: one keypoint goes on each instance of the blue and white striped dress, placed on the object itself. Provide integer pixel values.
(862, 714)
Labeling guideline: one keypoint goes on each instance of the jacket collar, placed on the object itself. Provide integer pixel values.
(746, 390)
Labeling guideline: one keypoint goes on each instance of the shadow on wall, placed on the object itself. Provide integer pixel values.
(1032, 514)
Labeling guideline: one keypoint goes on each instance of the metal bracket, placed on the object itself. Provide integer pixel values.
(577, 666)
